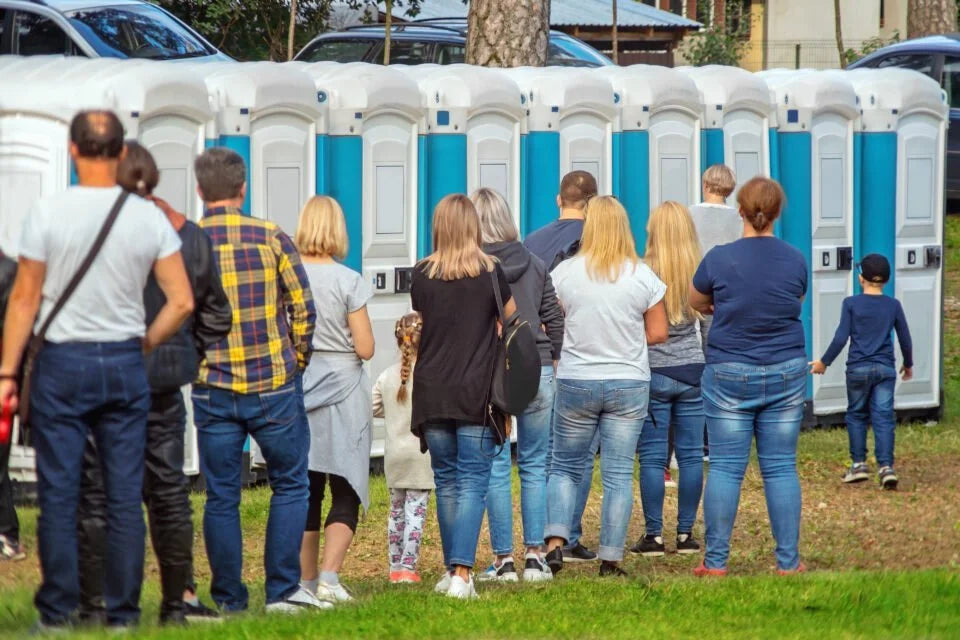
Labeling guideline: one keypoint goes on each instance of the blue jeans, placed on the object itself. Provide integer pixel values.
(274, 419)
(461, 458)
(616, 409)
(533, 442)
(583, 489)
(98, 388)
(672, 403)
(870, 391)
(742, 401)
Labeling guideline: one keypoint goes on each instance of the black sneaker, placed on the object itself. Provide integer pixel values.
(555, 560)
(888, 478)
(686, 544)
(650, 546)
(200, 612)
(858, 472)
(612, 570)
(577, 553)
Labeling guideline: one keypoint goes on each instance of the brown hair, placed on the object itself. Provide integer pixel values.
(221, 174)
(408, 339)
(719, 180)
(761, 200)
(576, 189)
(97, 134)
(456, 241)
(138, 172)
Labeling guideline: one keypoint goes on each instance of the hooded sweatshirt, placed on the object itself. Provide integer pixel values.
(534, 294)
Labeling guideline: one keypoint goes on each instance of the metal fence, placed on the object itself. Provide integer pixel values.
(805, 54)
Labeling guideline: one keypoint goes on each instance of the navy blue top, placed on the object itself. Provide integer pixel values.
(868, 322)
(557, 236)
(757, 286)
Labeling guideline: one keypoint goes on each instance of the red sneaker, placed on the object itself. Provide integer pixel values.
(801, 568)
(396, 576)
(667, 480)
(702, 571)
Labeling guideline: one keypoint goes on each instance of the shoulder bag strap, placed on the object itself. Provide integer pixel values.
(496, 293)
(84, 266)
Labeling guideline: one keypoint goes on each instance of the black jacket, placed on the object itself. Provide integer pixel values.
(8, 271)
(176, 362)
(534, 294)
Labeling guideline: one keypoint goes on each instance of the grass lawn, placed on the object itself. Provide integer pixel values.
(881, 563)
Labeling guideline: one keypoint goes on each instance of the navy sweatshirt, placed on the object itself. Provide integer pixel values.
(868, 321)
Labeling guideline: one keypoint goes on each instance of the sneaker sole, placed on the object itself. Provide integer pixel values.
(889, 485)
(575, 560)
(687, 552)
(204, 619)
(653, 554)
(507, 577)
(537, 576)
(855, 479)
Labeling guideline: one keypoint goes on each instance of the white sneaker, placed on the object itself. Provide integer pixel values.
(338, 592)
(444, 585)
(502, 571)
(300, 602)
(535, 569)
(461, 589)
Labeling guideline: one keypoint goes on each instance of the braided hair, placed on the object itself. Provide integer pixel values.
(408, 339)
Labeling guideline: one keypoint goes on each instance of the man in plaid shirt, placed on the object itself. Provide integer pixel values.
(250, 385)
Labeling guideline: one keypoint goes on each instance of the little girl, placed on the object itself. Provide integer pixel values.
(409, 474)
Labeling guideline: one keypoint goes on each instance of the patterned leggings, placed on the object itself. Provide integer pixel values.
(408, 509)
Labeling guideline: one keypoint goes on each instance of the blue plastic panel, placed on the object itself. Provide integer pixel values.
(346, 186)
(635, 182)
(446, 174)
(323, 164)
(241, 144)
(542, 178)
(876, 229)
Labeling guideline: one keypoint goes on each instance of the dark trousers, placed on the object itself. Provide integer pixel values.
(83, 389)
(166, 494)
(9, 525)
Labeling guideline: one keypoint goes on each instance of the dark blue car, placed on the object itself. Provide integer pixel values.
(939, 58)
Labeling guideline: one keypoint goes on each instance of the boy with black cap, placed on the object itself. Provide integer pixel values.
(867, 321)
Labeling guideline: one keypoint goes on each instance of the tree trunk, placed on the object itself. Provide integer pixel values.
(293, 29)
(839, 34)
(928, 17)
(388, 27)
(508, 33)
(615, 35)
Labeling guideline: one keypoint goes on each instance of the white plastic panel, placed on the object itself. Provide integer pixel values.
(283, 171)
(675, 179)
(585, 145)
(33, 162)
(493, 175)
(746, 163)
(493, 157)
(674, 144)
(920, 154)
(390, 200)
(746, 147)
(174, 143)
(832, 229)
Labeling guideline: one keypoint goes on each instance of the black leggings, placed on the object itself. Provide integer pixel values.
(344, 504)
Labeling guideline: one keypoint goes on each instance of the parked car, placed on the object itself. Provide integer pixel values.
(939, 58)
(440, 41)
(99, 29)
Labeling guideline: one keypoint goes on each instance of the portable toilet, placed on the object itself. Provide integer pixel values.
(736, 121)
(270, 114)
(572, 116)
(375, 116)
(659, 150)
(818, 114)
(903, 135)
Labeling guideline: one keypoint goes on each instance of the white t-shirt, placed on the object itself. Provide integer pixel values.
(108, 304)
(604, 336)
(716, 224)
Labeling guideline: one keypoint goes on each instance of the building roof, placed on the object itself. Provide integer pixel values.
(570, 13)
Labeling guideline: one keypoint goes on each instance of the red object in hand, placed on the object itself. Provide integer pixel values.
(6, 421)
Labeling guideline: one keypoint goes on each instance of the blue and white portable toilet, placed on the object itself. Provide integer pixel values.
(375, 117)
(659, 150)
(736, 121)
(271, 114)
(818, 114)
(903, 136)
(572, 118)
(475, 123)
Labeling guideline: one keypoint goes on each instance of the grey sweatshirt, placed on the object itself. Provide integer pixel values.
(682, 347)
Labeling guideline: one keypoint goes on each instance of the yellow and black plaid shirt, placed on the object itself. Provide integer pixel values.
(273, 310)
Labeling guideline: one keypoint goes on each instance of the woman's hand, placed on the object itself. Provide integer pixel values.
(8, 393)
(906, 373)
(817, 367)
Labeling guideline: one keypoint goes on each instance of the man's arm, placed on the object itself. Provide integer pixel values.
(173, 281)
(295, 290)
(18, 323)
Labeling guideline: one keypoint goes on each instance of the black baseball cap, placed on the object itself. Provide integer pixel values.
(875, 268)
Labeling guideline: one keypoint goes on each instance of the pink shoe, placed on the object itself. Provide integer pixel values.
(396, 576)
(801, 568)
(702, 571)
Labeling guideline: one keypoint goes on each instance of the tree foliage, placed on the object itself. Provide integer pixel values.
(870, 45)
(723, 42)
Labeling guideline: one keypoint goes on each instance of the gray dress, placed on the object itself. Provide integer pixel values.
(336, 388)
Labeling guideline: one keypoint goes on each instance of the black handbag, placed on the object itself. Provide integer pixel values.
(516, 369)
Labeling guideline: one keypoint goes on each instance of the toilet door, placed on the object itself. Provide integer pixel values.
(586, 145)
(283, 157)
(175, 142)
(746, 147)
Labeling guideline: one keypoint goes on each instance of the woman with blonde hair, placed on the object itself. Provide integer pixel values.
(614, 310)
(673, 252)
(453, 289)
(337, 396)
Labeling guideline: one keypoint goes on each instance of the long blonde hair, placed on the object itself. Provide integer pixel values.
(673, 252)
(408, 339)
(322, 230)
(456, 241)
(607, 242)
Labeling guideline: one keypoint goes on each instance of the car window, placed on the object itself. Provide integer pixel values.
(581, 51)
(35, 35)
(922, 62)
(451, 53)
(137, 31)
(407, 52)
(951, 80)
(353, 50)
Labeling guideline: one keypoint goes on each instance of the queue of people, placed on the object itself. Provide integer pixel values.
(273, 332)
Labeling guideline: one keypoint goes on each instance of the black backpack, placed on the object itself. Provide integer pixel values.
(516, 369)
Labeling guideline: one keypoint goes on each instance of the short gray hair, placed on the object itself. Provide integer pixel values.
(496, 222)
(221, 174)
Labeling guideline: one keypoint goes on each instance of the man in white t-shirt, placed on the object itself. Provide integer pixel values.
(89, 376)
